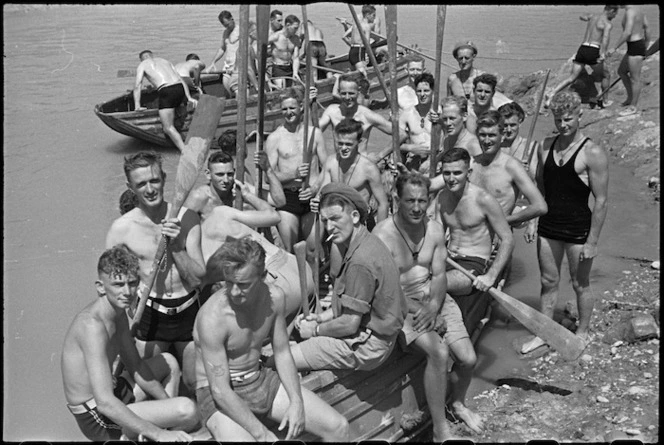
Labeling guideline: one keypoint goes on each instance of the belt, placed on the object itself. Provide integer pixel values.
(173, 310)
(83, 407)
(357, 45)
(243, 378)
(594, 45)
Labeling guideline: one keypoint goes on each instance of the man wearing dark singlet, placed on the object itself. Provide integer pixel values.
(570, 167)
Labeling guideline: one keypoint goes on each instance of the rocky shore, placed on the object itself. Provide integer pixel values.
(612, 391)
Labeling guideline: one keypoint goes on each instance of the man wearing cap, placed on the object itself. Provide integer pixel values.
(368, 306)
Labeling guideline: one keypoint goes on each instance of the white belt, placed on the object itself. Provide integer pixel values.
(172, 310)
(243, 377)
(83, 407)
(594, 45)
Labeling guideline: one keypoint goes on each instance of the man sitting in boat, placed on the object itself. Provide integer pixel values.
(190, 72)
(484, 91)
(105, 408)
(368, 306)
(171, 91)
(434, 323)
(235, 392)
(286, 53)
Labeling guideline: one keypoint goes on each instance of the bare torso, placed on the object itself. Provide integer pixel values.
(355, 174)
(160, 72)
(496, 179)
(639, 23)
(595, 29)
(283, 48)
(285, 151)
(465, 140)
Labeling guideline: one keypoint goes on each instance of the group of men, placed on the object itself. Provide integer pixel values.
(222, 290)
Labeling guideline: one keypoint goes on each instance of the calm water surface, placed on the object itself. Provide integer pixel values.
(63, 167)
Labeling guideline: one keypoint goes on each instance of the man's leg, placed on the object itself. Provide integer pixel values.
(151, 348)
(177, 412)
(623, 72)
(635, 63)
(320, 418)
(289, 227)
(167, 117)
(458, 283)
(576, 70)
(465, 358)
(550, 256)
(580, 273)
(186, 354)
(223, 428)
(435, 381)
(165, 369)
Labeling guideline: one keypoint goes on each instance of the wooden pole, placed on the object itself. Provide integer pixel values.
(391, 23)
(369, 50)
(242, 61)
(262, 30)
(436, 129)
(306, 155)
(528, 151)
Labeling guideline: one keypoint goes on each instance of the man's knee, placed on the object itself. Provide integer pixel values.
(465, 355)
(187, 410)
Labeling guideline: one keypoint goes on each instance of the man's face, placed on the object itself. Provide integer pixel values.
(291, 111)
(414, 69)
(483, 94)
(221, 176)
(371, 17)
(240, 283)
(346, 146)
(455, 175)
(339, 222)
(452, 120)
(291, 29)
(277, 22)
(348, 92)
(226, 23)
(465, 58)
(567, 124)
(413, 203)
(490, 139)
(120, 289)
(147, 183)
(511, 131)
(423, 91)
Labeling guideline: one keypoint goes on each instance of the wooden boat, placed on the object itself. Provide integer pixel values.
(119, 113)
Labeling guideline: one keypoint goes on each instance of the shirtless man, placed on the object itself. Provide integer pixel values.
(406, 95)
(350, 109)
(484, 90)
(230, 42)
(571, 166)
(190, 72)
(434, 322)
(106, 408)
(501, 175)
(276, 21)
(637, 35)
(318, 50)
(513, 144)
(235, 392)
(414, 122)
(352, 168)
(473, 216)
(286, 53)
(173, 302)
(171, 89)
(591, 52)
(284, 148)
(353, 38)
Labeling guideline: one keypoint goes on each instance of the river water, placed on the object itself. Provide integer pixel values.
(63, 167)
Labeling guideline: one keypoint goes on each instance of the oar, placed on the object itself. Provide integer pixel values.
(201, 132)
(391, 23)
(568, 345)
(262, 28)
(369, 51)
(436, 129)
(242, 72)
(132, 73)
(528, 152)
(306, 154)
(300, 250)
(331, 70)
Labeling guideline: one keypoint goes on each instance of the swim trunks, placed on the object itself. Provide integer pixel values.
(637, 48)
(474, 264)
(293, 204)
(257, 390)
(168, 319)
(587, 54)
(170, 96)
(319, 52)
(93, 424)
(568, 218)
(356, 55)
(283, 71)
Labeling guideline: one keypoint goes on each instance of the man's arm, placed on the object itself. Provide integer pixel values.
(295, 58)
(187, 254)
(377, 120)
(606, 35)
(219, 54)
(346, 36)
(264, 216)
(377, 190)
(425, 318)
(536, 203)
(138, 83)
(496, 218)
(212, 337)
(276, 189)
(598, 179)
(325, 119)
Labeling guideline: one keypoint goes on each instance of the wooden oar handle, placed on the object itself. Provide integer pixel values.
(460, 268)
(300, 250)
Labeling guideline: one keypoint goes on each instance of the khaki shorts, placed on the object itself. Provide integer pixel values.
(364, 351)
(449, 324)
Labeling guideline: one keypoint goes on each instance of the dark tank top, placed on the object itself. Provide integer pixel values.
(566, 195)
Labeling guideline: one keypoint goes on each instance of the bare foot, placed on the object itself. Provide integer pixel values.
(585, 336)
(472, 420)
(626, 103)
(532, 345)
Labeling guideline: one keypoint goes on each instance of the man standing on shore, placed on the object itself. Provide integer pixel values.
(637, 36)
(571, 166)
(171, 90)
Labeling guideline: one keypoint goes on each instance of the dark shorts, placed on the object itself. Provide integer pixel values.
(587, 55)
(293, 203)
(637, 48)
(474, 264)
(283, 71)
(356, 55)
(568, 228)
(318, 51)
(258, 394)
(156, 326)
(171, 96)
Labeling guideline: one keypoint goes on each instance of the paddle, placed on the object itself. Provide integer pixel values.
(306, 155)
(262, 31)
(300, 250)
(391, 23)
(436, 129)
(568, 345)
(242, 67)
(369, 51)
(200, 135)
(132, 73)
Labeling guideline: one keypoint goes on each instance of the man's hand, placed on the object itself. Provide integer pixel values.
(314, 204)
(433, 117)
(173, 436)
(530, 235)
(588, 252)
(294, 417)
(307, 328)
(484, 282)
(313, 93)
(424, 319)
(140, 108)
(302, 171)
(170, 228)
(193, 101)
(244, 188)
(306, 194)
(261, 161)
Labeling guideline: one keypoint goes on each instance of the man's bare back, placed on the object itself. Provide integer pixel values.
(159, 71)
